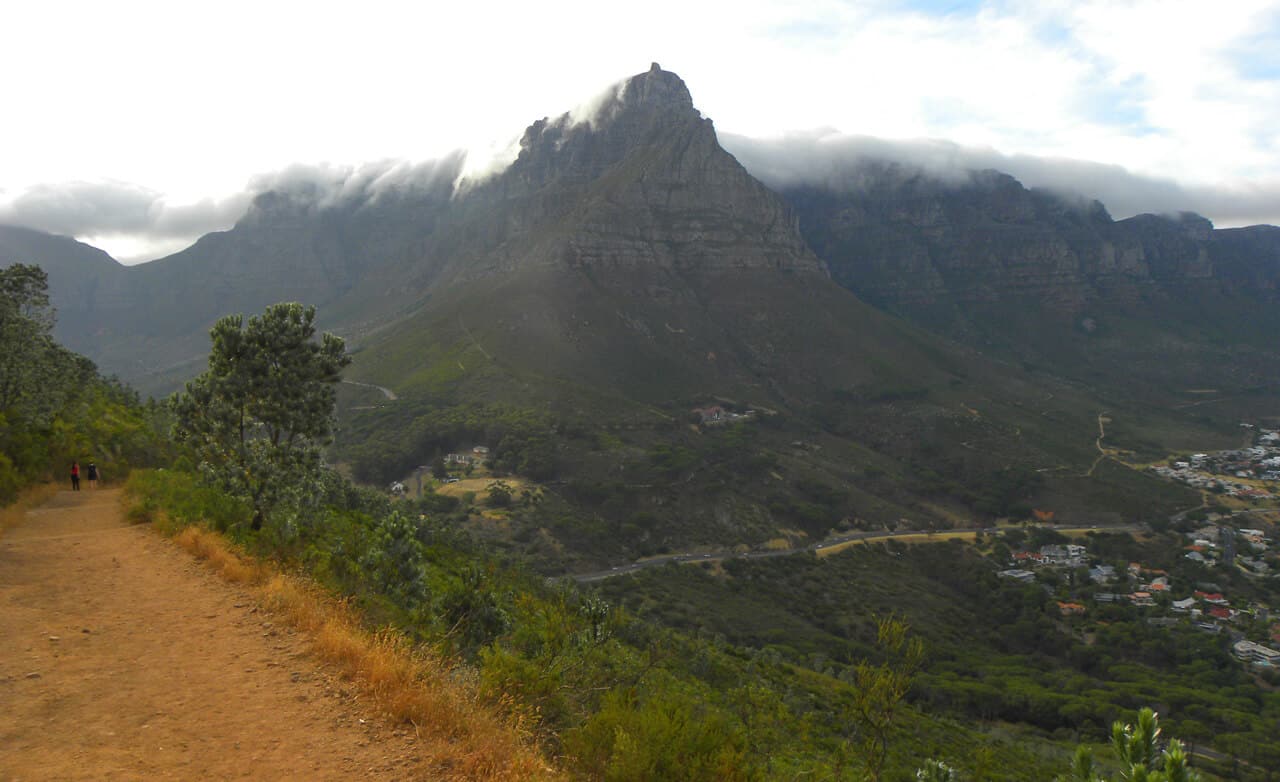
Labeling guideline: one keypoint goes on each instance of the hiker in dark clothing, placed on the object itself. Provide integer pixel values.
(75, 476)
(93, 475)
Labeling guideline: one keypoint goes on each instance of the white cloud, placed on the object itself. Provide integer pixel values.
(120, 217)
(833, 160)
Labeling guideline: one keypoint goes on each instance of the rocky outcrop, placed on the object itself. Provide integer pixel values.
(642, 182)
(905, 240)
(1247, 259)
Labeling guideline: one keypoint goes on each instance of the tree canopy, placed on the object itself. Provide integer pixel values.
(258, 417)
(36, 373)
(54, 407)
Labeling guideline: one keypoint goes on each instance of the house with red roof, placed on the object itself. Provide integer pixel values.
(1212, 598)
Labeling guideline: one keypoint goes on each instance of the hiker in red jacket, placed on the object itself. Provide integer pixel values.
(75, 476)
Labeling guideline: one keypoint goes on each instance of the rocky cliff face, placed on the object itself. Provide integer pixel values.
(641, 183)
(1247, 259)
(906, 240)
(1145, 305)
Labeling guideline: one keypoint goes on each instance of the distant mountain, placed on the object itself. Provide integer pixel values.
(1040, 278)
(1163, 301)
(904, 238)
(625, 270)
(84, 282)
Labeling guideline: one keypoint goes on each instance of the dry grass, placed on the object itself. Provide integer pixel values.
(480, 486)
(937, 537)
(214, 550)
(464, 738)
(12, 515)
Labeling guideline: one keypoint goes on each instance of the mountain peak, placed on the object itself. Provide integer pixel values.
(649, 108)
(657, 88)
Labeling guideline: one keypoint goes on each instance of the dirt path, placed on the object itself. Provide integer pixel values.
(121, 658)
(1102, 452)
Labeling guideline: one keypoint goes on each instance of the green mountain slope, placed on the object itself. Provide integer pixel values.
(636, 272)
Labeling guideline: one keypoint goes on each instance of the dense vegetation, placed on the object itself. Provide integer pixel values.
(998, 651)
(625, 480)
(257, 419)
(54, 406)
(619, 697)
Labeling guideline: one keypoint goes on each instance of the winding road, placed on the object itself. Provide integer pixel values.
(388, 393)
(871, 536)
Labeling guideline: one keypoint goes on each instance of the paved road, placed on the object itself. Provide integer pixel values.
(874, 535)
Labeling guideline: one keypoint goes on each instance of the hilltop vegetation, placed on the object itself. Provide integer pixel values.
(54, 406)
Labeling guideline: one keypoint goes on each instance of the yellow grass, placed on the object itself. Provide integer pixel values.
(12, 515)
(479, 486)
(465, 738)
(937, 537)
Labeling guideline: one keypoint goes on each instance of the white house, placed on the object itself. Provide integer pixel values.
(1250, 652)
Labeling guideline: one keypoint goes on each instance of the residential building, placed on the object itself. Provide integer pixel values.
(1102, 574)
(1024, 576)
(1069, 555)
(1256, 654)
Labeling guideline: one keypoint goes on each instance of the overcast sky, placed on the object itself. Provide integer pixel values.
(136, 126)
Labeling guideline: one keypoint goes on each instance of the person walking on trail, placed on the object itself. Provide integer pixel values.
(93, 475)
(75, 476)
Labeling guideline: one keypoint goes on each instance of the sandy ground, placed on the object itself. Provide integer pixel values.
(121, 658)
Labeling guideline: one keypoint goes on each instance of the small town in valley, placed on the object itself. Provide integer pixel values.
(1217, 545)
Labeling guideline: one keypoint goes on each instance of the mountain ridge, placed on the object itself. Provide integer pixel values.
(368, 252)
(640, 198)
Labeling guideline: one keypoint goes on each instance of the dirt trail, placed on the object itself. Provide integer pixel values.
(122, 658)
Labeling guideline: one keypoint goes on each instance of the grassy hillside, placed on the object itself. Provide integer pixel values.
(860, 420)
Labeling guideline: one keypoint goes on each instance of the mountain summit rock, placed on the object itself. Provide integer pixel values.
(641, 181)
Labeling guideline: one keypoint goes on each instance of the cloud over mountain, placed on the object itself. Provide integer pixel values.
(103, 208)
(136, 223)
(831, 159)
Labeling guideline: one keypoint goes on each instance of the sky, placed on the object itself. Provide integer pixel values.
(138, 126)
